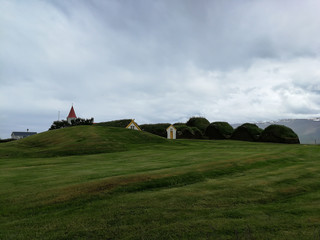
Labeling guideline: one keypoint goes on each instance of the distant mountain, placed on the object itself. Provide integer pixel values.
(308, 130)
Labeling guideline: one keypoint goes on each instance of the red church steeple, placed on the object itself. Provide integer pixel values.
(72, 115)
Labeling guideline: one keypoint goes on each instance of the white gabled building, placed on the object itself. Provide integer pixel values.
(171, 132)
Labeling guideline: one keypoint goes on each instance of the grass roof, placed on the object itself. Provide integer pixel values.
(159, 129)
(219, 130)
(116, 123)
(247, 132)
(279, 134)
(199, 122)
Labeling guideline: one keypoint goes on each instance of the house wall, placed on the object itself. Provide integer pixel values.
(69, 120)
(132, 126)
(15, 137)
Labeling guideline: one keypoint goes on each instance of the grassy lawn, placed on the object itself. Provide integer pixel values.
(144, 187)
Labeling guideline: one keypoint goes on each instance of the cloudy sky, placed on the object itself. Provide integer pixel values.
(157, 60)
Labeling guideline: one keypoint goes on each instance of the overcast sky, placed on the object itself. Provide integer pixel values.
(158, 60)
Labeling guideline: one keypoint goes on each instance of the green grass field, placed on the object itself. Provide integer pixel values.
(93, 182)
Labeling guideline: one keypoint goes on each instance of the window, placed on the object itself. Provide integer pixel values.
(132, 126)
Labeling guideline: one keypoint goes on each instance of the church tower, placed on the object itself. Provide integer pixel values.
(72, 115)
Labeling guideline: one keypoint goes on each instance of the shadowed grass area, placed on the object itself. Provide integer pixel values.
(185, 189)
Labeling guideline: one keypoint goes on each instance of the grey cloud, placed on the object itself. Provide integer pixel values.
(211, 34)
(158, 60)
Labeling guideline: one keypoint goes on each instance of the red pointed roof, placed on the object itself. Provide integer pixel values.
(72, 114)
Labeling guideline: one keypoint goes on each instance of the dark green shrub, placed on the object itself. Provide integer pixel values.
(7, 140)
(74, 122)
(199, 122)
(247, 132)
(59, 124)
(219, 130)
(81, 121)
(279, 134)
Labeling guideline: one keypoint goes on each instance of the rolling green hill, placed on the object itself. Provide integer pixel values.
(147, 187)
(77, 141)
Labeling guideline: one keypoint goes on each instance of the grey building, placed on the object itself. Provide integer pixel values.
(19, 135)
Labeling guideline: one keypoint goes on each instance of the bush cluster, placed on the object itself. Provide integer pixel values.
(74, 122)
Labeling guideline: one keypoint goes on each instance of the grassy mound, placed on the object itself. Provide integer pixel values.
(247, 132)
(219, 130)
(186, 132)
(199, 122)
(159, 129)
(279, 134)
(77, 141)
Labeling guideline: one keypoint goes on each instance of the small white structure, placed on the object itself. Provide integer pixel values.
(133, 125)
(171, 132)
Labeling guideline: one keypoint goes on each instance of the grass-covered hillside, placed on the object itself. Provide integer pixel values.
(146, 187)
(78, 140)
